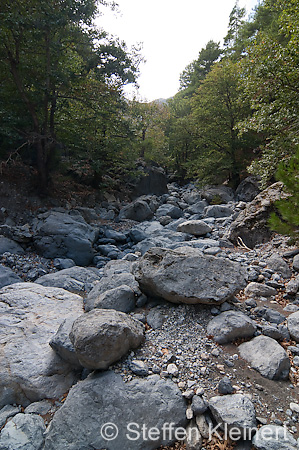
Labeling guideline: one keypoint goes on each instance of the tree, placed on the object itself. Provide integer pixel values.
(148, 120)
(236, 22)
(48, 48)
(220, 153)
(196, 71)
(269, 75)
(180, 134)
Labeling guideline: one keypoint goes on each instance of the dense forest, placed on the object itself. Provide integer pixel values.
(63, 106)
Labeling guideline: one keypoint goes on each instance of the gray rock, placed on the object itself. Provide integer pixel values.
(7, 276)
(197, 208)
(251, 225)
(273, 437)
(121, 298)
(30, 315)
(23, 432)
(225, 386)
(230, 325)
(296, 263)
(41, 408)
(218, 211)
(99, 399)
(278, 264)
(165, 239)
(186, 275)
(236, 411)
(107, 249)
(102, 336)
(116, 235)
(8, 411)
(63, 263)
(58, 234)
(144, 230)
(191, 197)
(139, 210)
(62, 344)
(259, 290)
(272, 332)
(198, 405)
(155, 318)
(195, 227)
(169, 210)
(248, 189)
(267, 357)
(139, 368)
(108, 282)
(10, 246)
(153, 180)
(215, 193)
(273, 316)
(293, 325)
(292, 286)
(75, 279)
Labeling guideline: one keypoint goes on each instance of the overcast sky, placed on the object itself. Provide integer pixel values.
(172, 32)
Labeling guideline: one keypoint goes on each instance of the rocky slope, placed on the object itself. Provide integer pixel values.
(167, 319)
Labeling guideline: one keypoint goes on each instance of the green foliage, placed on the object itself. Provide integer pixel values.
(221, 154)
(54, 62)
(270, 82)
(286, 221)
(196, 71)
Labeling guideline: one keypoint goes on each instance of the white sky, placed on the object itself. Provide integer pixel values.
(172, 32)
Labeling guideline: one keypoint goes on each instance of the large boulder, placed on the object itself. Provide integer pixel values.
(23, 432)
(108, 282)
(121, 298)
(254, 289)
(104, 398)
(233, 411)
(59, 234)
(251, 225)
(219, 194)
(30, 315)
(7, 276)
(230, 325)
(153, 180)
(248, 189)
(139, 211)
(75, 279)
(169, 210)
(274, 437)
(10, 246)
(195, 227)
(267, 357)
(186, 275)
(218, 211)
(102, 336)
(278, 265)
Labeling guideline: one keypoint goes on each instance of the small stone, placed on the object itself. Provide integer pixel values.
(156, 369)
(294, 407)
(188, 394)
(198, 405)
(200, 391)
(296, 360)
(225, 386)
(189, 413)
(139, 368)
(172, 370)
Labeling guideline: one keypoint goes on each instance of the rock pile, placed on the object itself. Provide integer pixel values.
(145, 319)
